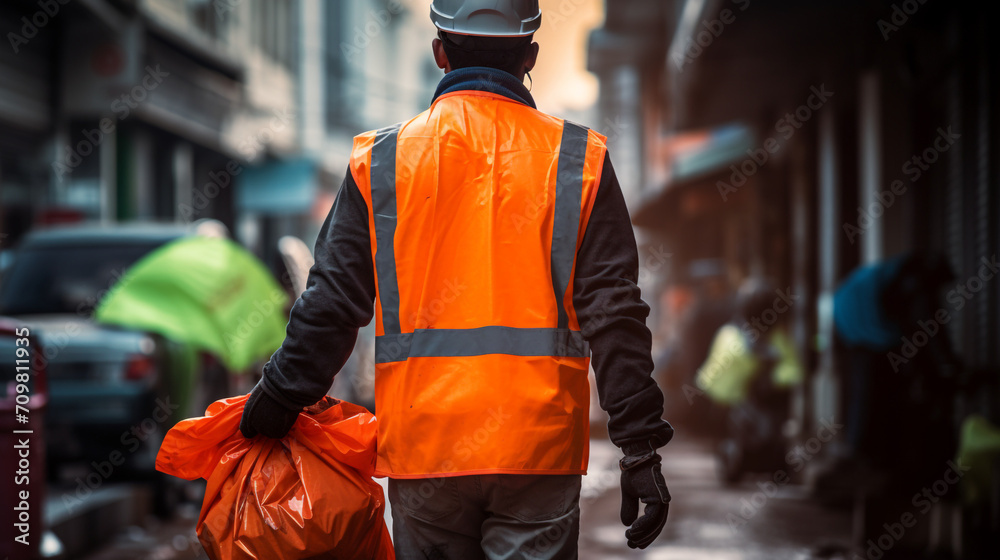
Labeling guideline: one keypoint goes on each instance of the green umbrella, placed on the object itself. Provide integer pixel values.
(204, 291)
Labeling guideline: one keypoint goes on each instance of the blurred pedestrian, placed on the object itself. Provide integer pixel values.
(749, 372)
(900, 405)
(713, 307)
(876, 309)
(495, 244)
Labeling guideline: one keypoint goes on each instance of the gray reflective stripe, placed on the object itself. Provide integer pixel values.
(383, 185)
(569, 191)
(429, 343)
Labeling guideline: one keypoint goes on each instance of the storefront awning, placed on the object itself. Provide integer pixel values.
(693, 160)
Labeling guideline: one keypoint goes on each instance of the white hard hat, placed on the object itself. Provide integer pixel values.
(487, 18)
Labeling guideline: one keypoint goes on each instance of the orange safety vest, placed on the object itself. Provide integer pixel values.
(476, 208)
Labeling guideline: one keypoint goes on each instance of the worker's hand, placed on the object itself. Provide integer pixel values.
(643, 482)
(266, 416)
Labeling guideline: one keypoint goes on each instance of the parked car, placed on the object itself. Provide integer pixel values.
(114, 392)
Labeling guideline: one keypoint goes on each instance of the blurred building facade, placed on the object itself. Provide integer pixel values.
(176, 110)
(800, 140)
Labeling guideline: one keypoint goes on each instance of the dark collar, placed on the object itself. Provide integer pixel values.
(480, 78)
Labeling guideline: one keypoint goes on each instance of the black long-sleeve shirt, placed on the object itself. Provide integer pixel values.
(340, 294)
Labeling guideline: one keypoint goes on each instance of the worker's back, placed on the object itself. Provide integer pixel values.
(478, 207)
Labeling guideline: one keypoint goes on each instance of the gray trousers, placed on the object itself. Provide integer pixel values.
(494, 517)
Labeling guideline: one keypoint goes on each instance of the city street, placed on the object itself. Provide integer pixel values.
(773, 226)
(788, 526)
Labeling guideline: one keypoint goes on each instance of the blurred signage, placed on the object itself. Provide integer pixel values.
(99, 67)
(278, 187)
(84, 195)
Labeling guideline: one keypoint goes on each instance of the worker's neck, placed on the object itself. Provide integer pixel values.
(481, 78)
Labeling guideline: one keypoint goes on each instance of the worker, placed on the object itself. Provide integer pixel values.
(492, 244)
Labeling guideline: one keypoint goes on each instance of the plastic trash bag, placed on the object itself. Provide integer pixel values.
(307, 495)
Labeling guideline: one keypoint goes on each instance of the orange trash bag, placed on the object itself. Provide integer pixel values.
(307, 495)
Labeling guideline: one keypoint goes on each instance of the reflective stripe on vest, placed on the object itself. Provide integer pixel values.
(395, 346)
(383, 185)
(569, 190)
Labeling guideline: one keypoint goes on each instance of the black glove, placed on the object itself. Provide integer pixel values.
(643, 482)
(266, 416)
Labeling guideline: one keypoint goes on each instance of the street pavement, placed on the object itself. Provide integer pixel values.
(707, 520)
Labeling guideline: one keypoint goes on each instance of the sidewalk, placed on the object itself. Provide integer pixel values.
(785, 525)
